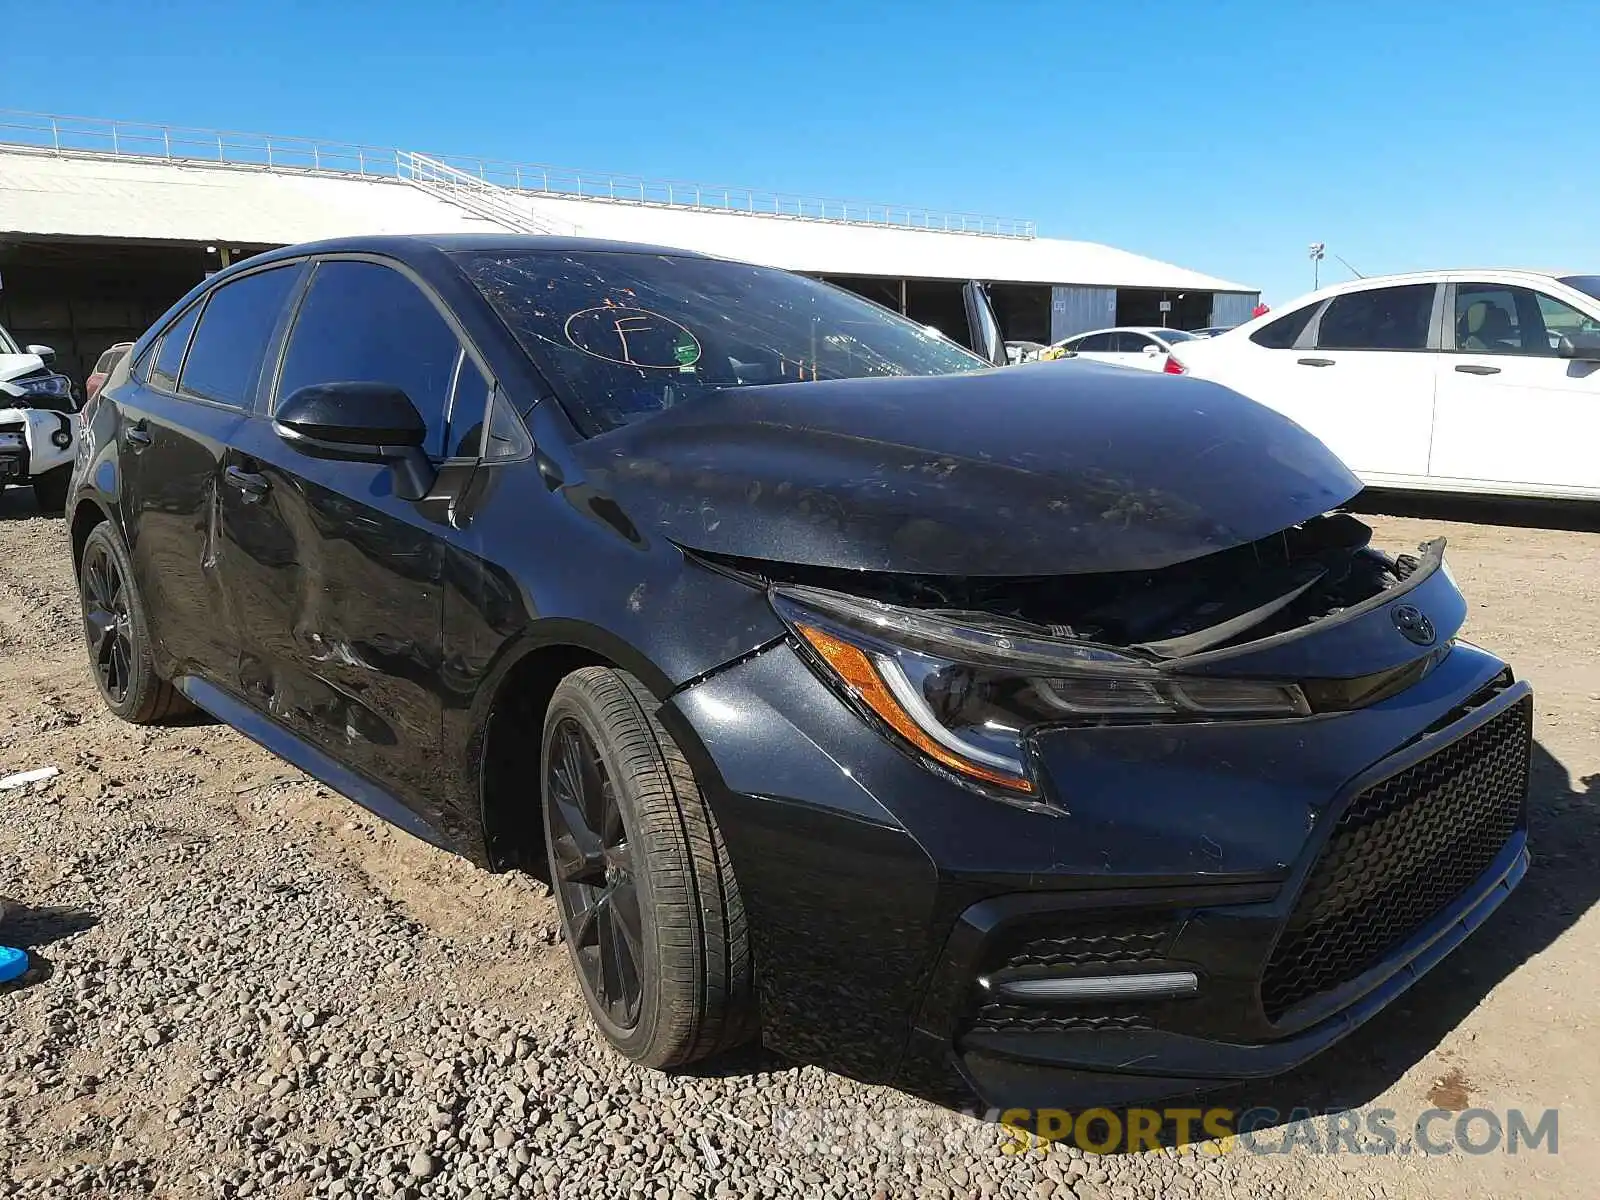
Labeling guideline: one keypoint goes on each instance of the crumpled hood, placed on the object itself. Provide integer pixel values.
(14, 365)
(1053, 468)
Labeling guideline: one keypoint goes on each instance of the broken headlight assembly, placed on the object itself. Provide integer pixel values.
(965, 689)
(42, 383)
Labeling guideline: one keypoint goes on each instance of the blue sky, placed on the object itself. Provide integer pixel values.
(1221, 135)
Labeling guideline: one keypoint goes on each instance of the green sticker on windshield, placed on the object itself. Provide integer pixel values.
(685, 349)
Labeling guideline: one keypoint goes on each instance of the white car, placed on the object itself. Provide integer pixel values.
(38, 423)
(1460, 381)
(1145, 347)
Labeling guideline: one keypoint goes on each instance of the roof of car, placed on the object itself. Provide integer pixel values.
(450, 243)
(1152, 330)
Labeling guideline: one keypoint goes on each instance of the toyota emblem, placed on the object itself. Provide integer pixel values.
(1412, 623)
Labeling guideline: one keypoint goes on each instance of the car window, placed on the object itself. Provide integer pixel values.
(365, 322)
(626, 335)
(1561, 318)
(169, 351)
(1132, 343)
(225, 356)
(1283, 333)
(469, 403)
(103, 363)
(1391, 318)
(1178, 335)
(1095, 343)
(1498, 319)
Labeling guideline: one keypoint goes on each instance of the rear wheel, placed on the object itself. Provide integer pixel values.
(118, 636)
(50, 489)
(650, 910)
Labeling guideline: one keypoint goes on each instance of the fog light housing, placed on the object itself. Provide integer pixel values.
(61, 438)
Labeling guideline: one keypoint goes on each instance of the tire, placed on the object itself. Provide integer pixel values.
(50, 489)
(117, 634)
(691, 944)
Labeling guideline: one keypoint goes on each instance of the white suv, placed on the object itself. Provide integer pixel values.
(38, 423)
(1461, 381)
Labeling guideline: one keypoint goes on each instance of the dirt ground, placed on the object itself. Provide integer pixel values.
(141, 819)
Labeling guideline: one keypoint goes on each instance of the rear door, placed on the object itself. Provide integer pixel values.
(1510, 412)
(1361, 378)
(177, 422)
(339, 579)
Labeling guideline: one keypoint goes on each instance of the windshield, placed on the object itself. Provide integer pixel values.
(8, 345)
(1587, 284)
(631, 334)
(1175, 335)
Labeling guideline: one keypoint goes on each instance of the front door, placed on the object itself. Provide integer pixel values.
(339, 580)
(1510, 411)
(1361, 379)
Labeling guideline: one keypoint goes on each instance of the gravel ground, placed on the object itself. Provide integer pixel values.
(245, 986)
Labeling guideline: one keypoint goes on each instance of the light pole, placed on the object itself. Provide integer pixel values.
(1318, 250)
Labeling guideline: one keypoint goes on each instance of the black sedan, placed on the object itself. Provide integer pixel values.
(1043, 733)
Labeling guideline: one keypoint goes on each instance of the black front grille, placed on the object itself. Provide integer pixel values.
(1090, 948)
(1400, 853)
(1011, 1018)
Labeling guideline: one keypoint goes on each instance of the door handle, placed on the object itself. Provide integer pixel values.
(1475, 369)
(1315, 362)
(252, 485)
(137, 435)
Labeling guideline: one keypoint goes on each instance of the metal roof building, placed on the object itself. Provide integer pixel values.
(103, 224)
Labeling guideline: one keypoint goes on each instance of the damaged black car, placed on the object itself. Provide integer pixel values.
(1029, 735)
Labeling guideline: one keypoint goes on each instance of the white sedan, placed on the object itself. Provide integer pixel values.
(1142, 346)
(1456, 381)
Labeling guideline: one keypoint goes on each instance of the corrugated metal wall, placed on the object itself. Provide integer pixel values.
(1233, 308)
(1075, 309)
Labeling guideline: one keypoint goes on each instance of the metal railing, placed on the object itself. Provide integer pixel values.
(99, 137)
(487, 200)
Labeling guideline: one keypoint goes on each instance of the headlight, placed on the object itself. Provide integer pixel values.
(41, 385)
(967, 695)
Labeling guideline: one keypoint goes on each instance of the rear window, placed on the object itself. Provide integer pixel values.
(232, 339)
(169, 351)
(1283, 333)
(1391, 318)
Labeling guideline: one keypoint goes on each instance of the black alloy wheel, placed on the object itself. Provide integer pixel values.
(652, 915)
(593, 862)
(117, 636)
(107, 623)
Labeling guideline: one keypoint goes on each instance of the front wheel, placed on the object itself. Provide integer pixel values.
(651, 913)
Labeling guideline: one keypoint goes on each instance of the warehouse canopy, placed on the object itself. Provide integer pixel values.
(48, 194)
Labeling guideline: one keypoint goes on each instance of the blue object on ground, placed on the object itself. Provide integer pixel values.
(13, 963)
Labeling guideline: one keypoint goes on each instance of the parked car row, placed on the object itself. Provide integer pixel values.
(1460, 381)
(948, 726)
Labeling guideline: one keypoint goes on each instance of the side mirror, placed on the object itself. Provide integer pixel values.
(45, 353)
(360, 422)
(1152, 349)
(1583, 345)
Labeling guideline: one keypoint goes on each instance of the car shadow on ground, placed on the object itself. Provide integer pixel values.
(1581, 516)
(32, 926)
(18, 504)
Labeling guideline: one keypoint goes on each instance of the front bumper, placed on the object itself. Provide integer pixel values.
(886, 902)
(31, 442)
